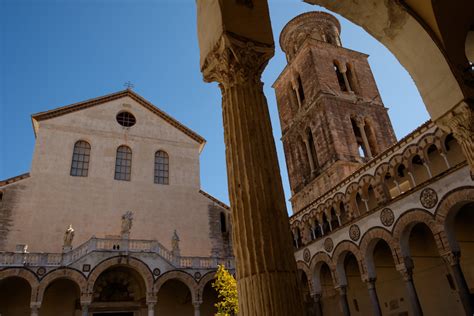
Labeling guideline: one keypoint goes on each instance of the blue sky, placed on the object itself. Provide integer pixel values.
(57, 52)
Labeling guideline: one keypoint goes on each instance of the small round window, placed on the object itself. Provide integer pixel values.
(126, 119)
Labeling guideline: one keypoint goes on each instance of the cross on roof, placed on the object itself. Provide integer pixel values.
(129, 85)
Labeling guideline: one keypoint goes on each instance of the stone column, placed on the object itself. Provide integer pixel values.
(151, 308)
(267, 280)
(407, 274)
(374, 300)
(427, 167)
(317, 304)
(34, 307)
(460, 122)
(452, 261)
(310, 155)
(361, 125)
(342, 289)
(197, 308)
(85, 308)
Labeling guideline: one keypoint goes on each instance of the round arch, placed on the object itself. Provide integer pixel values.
(62, 273)
(447, 210)
(315, 270)
(368, 243)
(182, 276)
(25, 274)
(129, 262)
(404, 224)
(338, 256)
(202, 283)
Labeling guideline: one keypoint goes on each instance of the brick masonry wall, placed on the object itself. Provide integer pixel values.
(221, 242)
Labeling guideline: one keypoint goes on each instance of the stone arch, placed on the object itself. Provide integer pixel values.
(182, 276)
(24, 274)
(381, 171)
(405, 223)
(449, 201)
(438, 85)
(394, 162)
(315, 269)
(447, 209)
(129, 262)
(427, 140)
(202, 283)
(63, 273)
(338, 256)
(411, 151)
(367, 245)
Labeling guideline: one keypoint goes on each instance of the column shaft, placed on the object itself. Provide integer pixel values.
(309, 155)
(343, 301)
(411, 292)
(365, 140)
(374, 299)
(452, 260)
(267, 280)
(266, 268)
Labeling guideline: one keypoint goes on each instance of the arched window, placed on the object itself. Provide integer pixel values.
(161, 167)
(340, 78)
(123, 163)
(80, 159)
(300, 89)
(352, 79)
(223, 223)
(312, 148)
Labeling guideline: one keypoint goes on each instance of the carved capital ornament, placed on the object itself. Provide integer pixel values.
(235, 61)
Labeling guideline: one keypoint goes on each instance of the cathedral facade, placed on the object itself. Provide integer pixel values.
(380, 227)
(111, 217)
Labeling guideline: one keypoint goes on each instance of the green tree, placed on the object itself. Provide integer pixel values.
(226, 287)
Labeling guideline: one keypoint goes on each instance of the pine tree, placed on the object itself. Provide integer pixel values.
(226, 287)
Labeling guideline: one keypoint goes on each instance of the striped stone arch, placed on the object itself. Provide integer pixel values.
(381, 171)
(368, 243)
(63, 273)
(450, 201)
(365, 181)
(447, 209)
(295, 224)
(405, 223)
(300, 265)
(430, 139)
(24, 274)
(394, 162)
(202, 283)
(315, 269)
(123, 261)
(409, 152)
(340, 252)
(181, 276)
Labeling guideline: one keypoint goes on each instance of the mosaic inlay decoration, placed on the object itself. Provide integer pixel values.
(156, 272)
(387, 217)
(428, 198)
(328, 244)
(197, 275)
(354, 232)
(306, 255)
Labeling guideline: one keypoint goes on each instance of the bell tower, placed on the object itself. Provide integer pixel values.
(332, 117)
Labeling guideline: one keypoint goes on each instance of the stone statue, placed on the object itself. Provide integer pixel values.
(127, 219)
(68, 236)
(175, 243)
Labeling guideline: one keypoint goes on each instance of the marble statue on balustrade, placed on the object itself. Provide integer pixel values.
(127, 219)
(175, 244)
(68, 237)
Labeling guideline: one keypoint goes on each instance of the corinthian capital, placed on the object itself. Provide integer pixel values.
(234, 61)
(460, 122)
